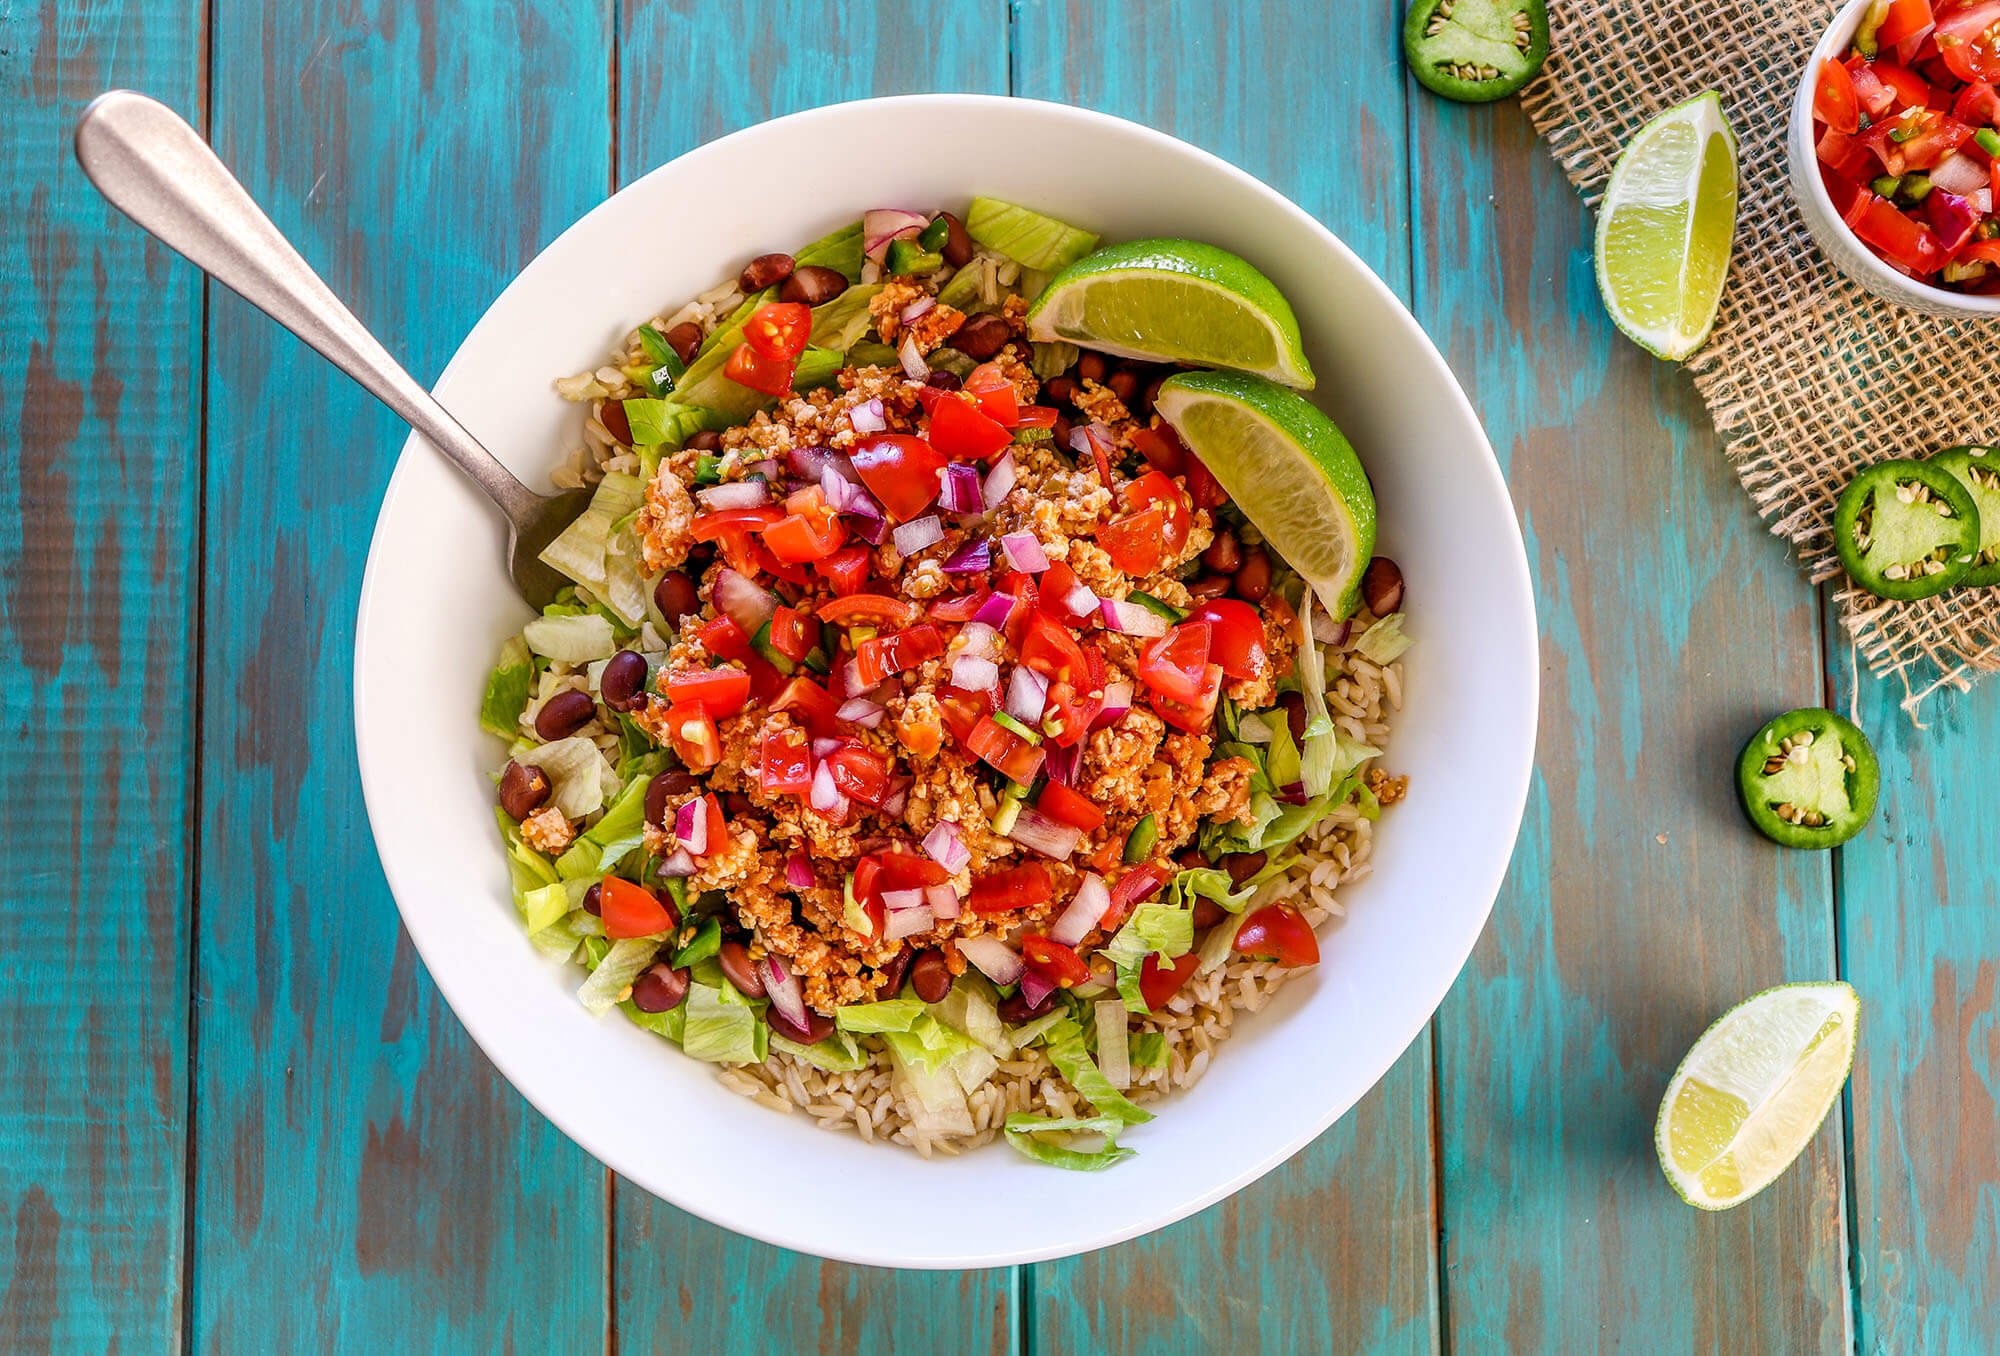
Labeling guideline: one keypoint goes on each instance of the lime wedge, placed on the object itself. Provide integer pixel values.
(1287, 467)
(1753, 1090)
(1665, 227)
(1174, 301)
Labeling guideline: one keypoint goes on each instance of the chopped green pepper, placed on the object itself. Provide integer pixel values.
(907, 257)
(1139, 842)
(934, 236)
(1157, 606)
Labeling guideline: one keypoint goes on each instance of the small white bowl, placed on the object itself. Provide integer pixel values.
(436, 604)
(1836, 241)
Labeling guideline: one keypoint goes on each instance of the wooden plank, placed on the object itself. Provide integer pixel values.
(1640, 905)
(98, 501)
(1920, 940)
(760, 59)
(366, 1182)
(1341, 1241)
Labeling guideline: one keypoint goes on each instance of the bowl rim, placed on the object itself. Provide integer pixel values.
(1511, 796)
(1881, 278)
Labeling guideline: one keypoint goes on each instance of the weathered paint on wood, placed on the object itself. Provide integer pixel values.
(1640, 905)
(99, 492)
(366, 1181)
(757, 60)
(1337, 1251)
(1920, 938)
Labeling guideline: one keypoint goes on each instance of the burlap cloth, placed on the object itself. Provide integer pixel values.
(1808, 377)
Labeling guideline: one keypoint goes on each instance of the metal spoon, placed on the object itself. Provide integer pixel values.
(158, 171)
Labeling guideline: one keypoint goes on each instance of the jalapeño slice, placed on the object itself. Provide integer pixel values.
(1906, 529)
(1808, 779)
(1475, 51)
(1978, 469)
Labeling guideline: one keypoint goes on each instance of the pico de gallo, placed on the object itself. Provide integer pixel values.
(1907, 131)
(920, 692)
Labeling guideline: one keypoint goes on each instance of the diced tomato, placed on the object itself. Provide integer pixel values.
(908, 871)
(632, 910)
(1834, 101)
(1278, 932)
(1237, 641)
(779, 330)
(1161, 448)
(1136, 886)
(1068, 712)
(766, 682)
(724, 522)
(1154, 488)
(1025, 592)
(692, 735)
(860, 773)
(1059, 581)
(1983, 251)
(920, 732)
(1875, 97)
(1906, 19)
(961, 432)
(724, 639)
(868, 609)
(1136, 542)
(1035, 416)
(1977, 104)
(1928, 137)
(1900, 240)
(1968, 38)
(810, 706)
(719, 691)
(881, 656)
(1906, 87)
(900, 470)
(989, 386)
(1100, 452)
(1160, 980)
(962, 711)
(784, 765)
(801, 540)
(1848, 157)
(1172, 665)
(958, 607)
(846, 569)
(1069, 807)
(1196, 716)
(1053, 962)
(1017, 887)
(1050, 650)
(1004, 751)
(1203, 488)
(748, 367)
(792, 634)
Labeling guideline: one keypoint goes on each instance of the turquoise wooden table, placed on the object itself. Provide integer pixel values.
(235, 1115)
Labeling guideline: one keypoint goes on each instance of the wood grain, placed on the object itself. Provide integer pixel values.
(1639, 905)
(99, 493)
(366, 1182)
(760, 59)
(1920, 936)
(1337, 1250)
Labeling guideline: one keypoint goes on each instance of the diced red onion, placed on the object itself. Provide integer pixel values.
(902, 899)
(798, 871)
(768, 468)
(822, 747)
(1024, 553)
(691, 826)
(1061, 763)
(825, 796)
(880, 225)
(742, 601)
(959, 488)
(677, 864)
(782, 988)
(737, 494)
(978, 640)
(974, 557)
(1131, 619)
(1080, 601)
(867, 416)
(945, 847)
(994, 610)
(859, 711)
(1084, 911)
(1034, 988)
(1117, 701)
(1959, 173)
(1134, 886)
(992, 957)
(1000, 480)
(868, 523)
(915, 535)
(1033, 829)
(907, 923)
(975, 674)
(1027, 694)
(920, 307)
(898, 798)
(809, 462)
(1326, 630)
(943, 900)
(912, 359)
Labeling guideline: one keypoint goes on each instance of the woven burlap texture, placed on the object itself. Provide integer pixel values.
(1808, 377)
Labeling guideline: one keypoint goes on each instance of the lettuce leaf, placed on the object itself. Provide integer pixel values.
(1024, 1132)
(1384, 642)
(666, 423)
(838, 1053)
(840, 323)
(507, 690)
(1149, 1050)
(544, 907)
(931, 1092)
(577, 773)
(579, 551)
(1156, 928)
(1026, 236)
(1076, 1066)
(817, 367)
(574, 640)
(670, 1023)
(610, 983)
(889, 1014)
(840, 251)
(722, 1027)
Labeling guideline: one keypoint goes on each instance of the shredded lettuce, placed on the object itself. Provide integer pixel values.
(1076, 1066)
(507, 690)
(961, 290)
(1209, 882)
(575, 640)
(969, 1008)
(611, 982)
(890, 1014)
(868, 353)
(579, 551)
(1216, 946)
(544, 907)
(722, 1026)
(1384, 642)
(838, 1053)
(1053, 358)
(1024, 1132)
(1149, 1050)
(1161, 928)
(613, 837)
(558, 941)
(840, 323)
(1349, 754)
(1316, 763)
(931, 1091)
(577, 774)
(529, 869)
(840, 251)
(1026, 236)
(665, 423)
(1038, 1027)
(670, 1023)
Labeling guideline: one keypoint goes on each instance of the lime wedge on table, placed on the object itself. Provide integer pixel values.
(1754, 1090)
(1287, 467)
(1665, 227)
(1174, 301)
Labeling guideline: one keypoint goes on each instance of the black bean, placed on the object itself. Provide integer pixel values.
(593, 900)
(930, 975)
(1061, 430)
(739, 969)
(676, 596)
(564, 714)
(817, 1028)
(957, 242)
(982, 336)
(659, 988)
(766, 270)
(813, 285)
(623, 682)
(1382, 586)
(684, 339)
(523, 788)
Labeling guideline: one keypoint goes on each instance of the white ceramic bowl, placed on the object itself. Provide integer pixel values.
(1835, 240)
(436, 604)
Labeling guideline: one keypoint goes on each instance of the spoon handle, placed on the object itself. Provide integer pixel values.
(158, 171)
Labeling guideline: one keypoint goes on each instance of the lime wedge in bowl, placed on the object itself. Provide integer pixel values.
(1665, 228)
(1753, 1091)
(1174, 301)
(1289, 469)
